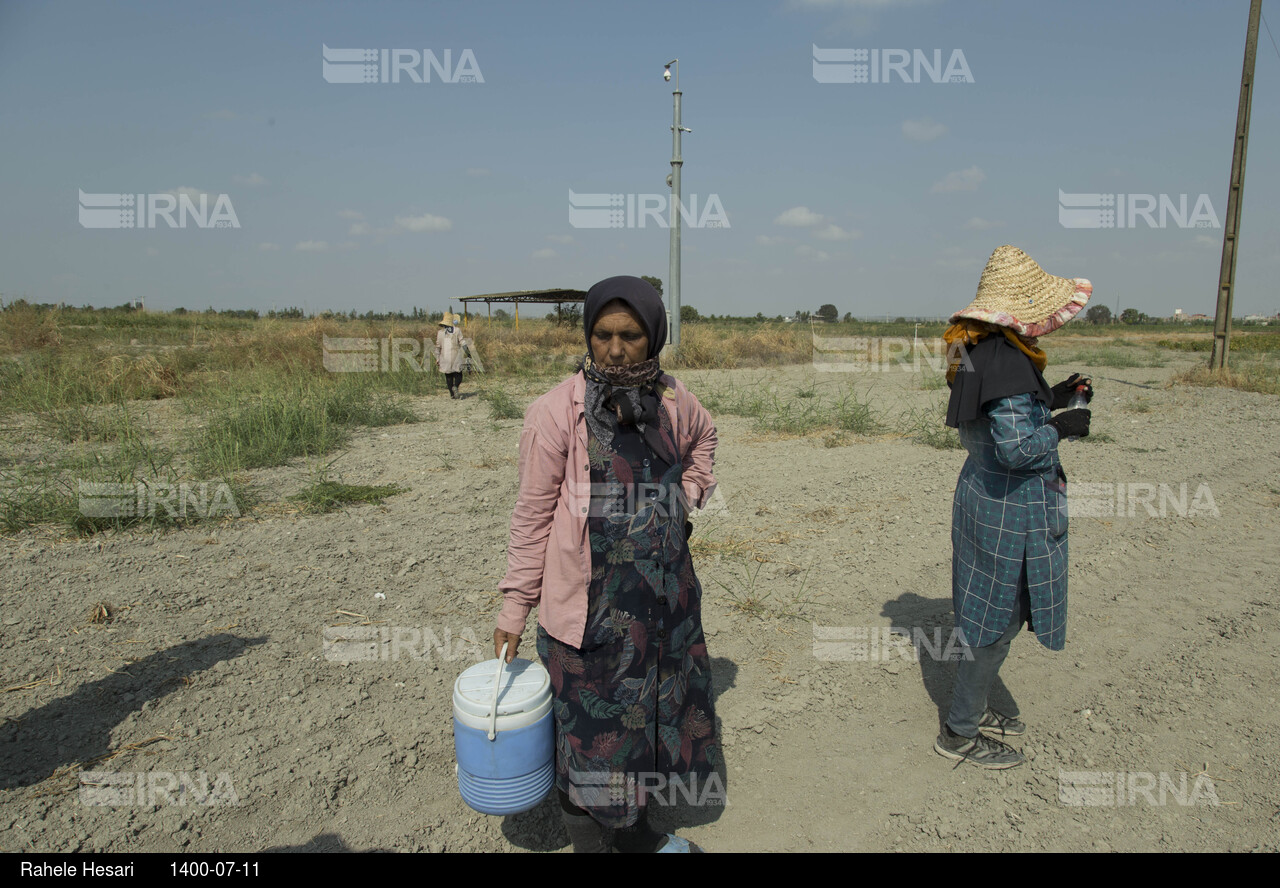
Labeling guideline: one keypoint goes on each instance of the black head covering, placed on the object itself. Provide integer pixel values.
(996, 368)
(643, 300)
(617, 396)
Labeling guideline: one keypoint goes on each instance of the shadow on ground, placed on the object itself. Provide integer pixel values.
(76, 729)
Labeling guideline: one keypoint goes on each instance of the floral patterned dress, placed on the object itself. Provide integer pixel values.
(633, 706)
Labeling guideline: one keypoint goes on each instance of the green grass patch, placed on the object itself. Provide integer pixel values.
(329, 496)
(931, 381)
(928, 427)
(271, 419)
(814, 411)
(501, 404)
(268, 431)
(98, 495)
(1119, 357)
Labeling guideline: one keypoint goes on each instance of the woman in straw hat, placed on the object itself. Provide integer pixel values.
(1009, 517)
(451, 352)
(610, 460)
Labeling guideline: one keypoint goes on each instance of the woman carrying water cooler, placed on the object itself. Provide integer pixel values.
(609, 461)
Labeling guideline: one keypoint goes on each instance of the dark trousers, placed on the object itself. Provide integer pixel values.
(979, 668)
(454, 381)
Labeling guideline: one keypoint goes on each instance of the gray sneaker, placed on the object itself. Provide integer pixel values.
(980, 750)
(997, 724)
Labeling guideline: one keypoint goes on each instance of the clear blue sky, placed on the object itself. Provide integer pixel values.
(388, 196)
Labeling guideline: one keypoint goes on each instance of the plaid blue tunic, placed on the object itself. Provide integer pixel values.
(1010, 509)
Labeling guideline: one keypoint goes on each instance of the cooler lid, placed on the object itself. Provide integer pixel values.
(525, 686)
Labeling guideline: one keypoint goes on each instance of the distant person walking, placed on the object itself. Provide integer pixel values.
(451, 355)
(1009, 516)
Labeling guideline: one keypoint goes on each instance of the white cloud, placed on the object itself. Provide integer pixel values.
(977, 224)
(809, 252)
(1208, 241)
(765, 241)
(962, 180)
(956, 258)
(265, 247)
(425, 222)
(546, 253)
(358, 229)
(312, 246)
(350, 214)
(923, 130)
(836, 233)
(251, 179)
(799, 217)
(560, 238)
(193, 193)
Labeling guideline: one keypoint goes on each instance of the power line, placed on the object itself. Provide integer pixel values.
(1273, 39)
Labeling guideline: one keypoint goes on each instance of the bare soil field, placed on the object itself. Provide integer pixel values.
(822, 558)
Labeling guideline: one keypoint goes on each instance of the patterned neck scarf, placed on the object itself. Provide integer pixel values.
(624, 396)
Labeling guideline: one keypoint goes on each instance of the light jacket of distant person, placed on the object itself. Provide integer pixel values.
(548, 559)
(449, 352)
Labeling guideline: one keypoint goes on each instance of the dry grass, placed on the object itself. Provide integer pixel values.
(1259, 377)
(709, 346)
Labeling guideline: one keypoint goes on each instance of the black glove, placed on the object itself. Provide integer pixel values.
(1063, 391)
(1072, 424)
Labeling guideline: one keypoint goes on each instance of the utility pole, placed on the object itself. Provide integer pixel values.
(1230, 235)
(673, 271)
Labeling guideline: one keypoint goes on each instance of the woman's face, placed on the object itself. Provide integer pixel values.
(618, 337)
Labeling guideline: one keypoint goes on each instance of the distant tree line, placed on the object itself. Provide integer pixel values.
(569, 314)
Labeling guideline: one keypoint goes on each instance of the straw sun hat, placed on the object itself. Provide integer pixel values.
(449, 320)
(1017, 293)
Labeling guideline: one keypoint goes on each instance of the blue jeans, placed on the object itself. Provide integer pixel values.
(979, 668)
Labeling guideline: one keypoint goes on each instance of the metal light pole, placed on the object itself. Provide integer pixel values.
(673, 272)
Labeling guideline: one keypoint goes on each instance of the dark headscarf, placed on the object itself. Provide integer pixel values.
(640, 296)
(617, 396)
(995, 368)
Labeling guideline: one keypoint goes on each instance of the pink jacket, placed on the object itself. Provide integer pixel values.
(548, 559)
